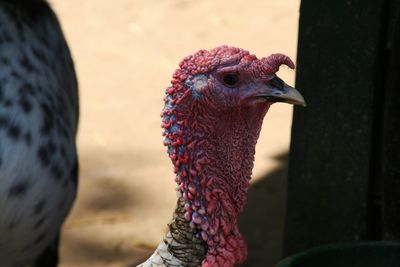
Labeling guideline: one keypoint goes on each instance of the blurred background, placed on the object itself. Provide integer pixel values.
(125, 52)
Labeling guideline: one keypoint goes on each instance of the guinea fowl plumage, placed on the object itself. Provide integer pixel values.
(38, 124)
(212, 118)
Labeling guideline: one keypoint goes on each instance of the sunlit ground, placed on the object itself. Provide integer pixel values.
(125, 52)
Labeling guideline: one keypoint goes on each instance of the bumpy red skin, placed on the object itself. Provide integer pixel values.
(211, 131)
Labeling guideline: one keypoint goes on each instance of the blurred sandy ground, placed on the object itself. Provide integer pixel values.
(125, 52)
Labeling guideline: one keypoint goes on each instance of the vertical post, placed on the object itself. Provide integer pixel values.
(333, 150)
(390, 152)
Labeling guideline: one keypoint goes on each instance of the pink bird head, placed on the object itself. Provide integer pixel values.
(226, 77)
(212, 118)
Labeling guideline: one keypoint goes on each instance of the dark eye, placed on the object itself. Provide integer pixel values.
(230, 79)
(276, 82)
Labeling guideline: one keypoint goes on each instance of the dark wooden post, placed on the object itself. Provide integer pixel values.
(390, 153)
(342, 160)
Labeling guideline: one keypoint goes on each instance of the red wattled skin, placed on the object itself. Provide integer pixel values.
(211, 129)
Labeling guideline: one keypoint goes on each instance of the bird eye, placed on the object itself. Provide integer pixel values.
(276, 82)
(230, 79)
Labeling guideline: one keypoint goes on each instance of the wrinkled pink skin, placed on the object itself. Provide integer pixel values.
(211, 130)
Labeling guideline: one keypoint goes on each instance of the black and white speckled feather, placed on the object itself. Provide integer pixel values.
(181, 246)
(38, 124)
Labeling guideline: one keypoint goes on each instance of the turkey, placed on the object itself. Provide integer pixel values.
(38, 124)
(212, 118)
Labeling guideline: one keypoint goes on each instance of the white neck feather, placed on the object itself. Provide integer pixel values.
(161, 256)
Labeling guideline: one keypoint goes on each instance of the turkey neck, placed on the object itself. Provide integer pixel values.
(183, 242)
(213, 172)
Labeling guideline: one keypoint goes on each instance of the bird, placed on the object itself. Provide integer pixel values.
(211, 120)
(39, 113)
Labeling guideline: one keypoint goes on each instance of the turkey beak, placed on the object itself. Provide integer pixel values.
(278, 91)
(289, 95)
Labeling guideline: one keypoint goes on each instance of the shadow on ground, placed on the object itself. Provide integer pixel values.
(262, 221)
(98, 231)
(88, 252)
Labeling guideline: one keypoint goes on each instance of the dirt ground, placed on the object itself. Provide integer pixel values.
(125, 52)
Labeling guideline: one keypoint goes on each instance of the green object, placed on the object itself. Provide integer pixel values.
(354, 254)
